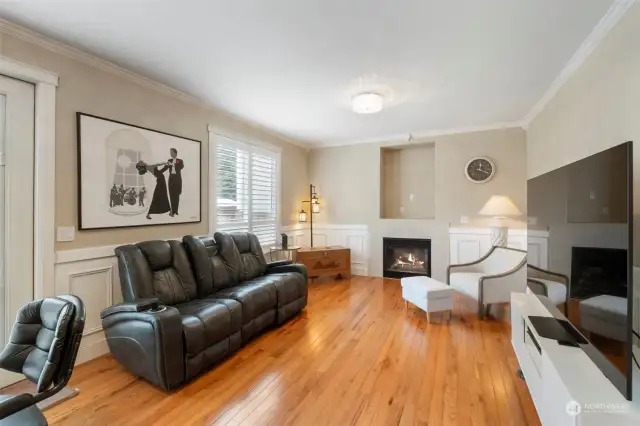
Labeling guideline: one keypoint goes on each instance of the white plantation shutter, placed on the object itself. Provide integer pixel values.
(247, 189)
(263, 197)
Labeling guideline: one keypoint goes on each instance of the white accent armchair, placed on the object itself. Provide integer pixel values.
(492, 278)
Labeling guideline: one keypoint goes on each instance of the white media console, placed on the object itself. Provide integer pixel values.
(567, 388)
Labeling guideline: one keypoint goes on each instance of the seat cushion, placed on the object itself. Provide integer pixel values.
(607, 308)
(291, 291)
(425, 288)
(256, 296)
(206, 322)
(467, 283)
(290, 286)
(605, 315)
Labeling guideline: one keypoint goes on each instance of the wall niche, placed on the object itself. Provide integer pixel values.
(407, 189)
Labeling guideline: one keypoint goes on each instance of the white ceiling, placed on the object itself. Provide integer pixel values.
(293, 65)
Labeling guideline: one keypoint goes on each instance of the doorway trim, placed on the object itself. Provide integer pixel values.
(44, 255)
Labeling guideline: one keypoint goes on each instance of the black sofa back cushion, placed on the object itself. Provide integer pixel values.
(157, 269)
(242, 255)
(210, 270)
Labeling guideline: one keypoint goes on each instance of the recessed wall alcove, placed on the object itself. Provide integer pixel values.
(407, 189)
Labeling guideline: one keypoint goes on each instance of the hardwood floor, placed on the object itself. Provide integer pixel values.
(354, 357)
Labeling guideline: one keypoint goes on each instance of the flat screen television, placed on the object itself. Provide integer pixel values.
(587, 209)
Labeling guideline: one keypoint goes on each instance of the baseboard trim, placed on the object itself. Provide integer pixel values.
(92, 351)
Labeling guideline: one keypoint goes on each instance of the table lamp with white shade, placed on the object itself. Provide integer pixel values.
(499, 207)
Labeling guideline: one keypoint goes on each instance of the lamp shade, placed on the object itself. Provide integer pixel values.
(500, 206)
(302, 216)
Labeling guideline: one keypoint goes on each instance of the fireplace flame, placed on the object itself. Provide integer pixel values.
(410, 260)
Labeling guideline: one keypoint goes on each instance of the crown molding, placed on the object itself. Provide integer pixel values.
(56, 46)
(418, 137)
(605, 25)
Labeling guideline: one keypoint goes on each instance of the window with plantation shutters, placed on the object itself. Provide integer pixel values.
(247, 189)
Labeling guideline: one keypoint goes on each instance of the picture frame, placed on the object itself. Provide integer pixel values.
(131, 176)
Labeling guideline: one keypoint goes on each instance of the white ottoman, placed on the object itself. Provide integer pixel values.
(427, 294)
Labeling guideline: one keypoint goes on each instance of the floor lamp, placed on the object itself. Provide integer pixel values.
(315, 208)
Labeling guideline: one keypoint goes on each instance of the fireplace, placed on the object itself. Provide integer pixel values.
(406, 257)
(596, 271)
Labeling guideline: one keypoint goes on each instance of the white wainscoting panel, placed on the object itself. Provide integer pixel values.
(354, 237)
(469, 244)
(92, 275)
(468, 250)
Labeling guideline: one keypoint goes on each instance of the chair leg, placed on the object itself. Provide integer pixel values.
(481, 312)
(566, 309)
(487, 309)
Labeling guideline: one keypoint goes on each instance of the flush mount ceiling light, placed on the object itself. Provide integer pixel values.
(367, 103)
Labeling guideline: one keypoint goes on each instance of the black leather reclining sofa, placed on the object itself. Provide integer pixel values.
(190, 304)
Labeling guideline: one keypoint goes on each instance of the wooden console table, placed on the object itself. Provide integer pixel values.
(321, 261)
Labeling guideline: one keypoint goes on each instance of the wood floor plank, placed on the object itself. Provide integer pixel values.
(355, 356)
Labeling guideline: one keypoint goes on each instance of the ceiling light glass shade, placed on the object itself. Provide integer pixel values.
(302, 216)
(367, 103)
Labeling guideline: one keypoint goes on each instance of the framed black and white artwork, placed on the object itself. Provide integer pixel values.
(132, 176)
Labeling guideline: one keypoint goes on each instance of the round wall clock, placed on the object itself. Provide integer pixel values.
(480, 170)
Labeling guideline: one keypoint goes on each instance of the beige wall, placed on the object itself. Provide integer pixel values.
(597, 108)
(407, 182)
(348, 183)
(90, 90)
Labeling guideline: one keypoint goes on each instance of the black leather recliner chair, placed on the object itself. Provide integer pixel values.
(43, 346)
(190, 305)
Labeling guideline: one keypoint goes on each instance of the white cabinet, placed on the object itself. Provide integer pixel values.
(567, 388)
(469, 244)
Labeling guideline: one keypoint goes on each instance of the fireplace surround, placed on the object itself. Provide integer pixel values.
(406, 257)
(597, 271)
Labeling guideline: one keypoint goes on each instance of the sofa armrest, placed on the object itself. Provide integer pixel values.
(537, 287)
(148, 342)
(291, 267)
(141, 305)
(535, 272)
(11, 404)
(19, 410)
(279, 263)
(475, 266)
